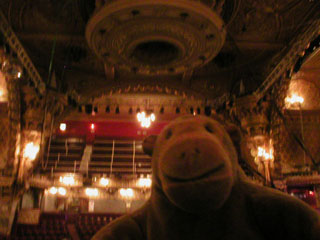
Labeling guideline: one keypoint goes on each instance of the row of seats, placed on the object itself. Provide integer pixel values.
(88, 224)
(53, 226)
(119, 156)
(108, 156)
(63, 154)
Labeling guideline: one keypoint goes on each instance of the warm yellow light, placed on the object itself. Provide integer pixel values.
(144, 182)
(19, 74)
(152, 117)
(92, 192)
(104, 181)
(1, 93)
(126, 192)
(263, 153)
(67, 180)
(63, 126)
(53, 190)
(294, 99)
(145, 120)
(62, 191)
(31, 151)
(129, 192)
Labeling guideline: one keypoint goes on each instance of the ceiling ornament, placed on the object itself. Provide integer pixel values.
(156, 37)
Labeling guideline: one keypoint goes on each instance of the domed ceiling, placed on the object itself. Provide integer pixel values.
(204, 49)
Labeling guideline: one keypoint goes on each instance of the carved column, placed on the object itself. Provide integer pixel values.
(12, 72)
(254, 120)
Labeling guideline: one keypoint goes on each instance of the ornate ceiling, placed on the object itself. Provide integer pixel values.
(160, 53)
(256, 31)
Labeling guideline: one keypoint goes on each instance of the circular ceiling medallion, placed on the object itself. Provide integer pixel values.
(155, 37)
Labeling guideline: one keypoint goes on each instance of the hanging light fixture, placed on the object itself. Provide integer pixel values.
(145, 119)
(294, 101)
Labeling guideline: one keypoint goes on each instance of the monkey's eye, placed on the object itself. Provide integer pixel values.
(209, 128)
(168, 134)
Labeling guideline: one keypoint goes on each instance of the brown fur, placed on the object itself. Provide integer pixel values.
(199, 192)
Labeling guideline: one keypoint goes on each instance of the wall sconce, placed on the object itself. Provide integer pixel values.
(30, 148)
(67, 180)
(263, 157)
(63, 127)
(144, 182)
(53, 190)
(126, 192)
(104, 182)
(92, 192)
(30, 151)
(61, 191)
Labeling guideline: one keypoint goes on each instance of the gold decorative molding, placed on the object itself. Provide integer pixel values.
(152, 38)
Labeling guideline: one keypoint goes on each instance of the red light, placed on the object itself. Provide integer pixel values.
(311, 193)
(92, 127)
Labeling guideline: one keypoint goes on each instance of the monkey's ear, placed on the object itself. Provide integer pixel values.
(148, 144)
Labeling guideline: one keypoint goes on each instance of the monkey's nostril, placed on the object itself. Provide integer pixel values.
(197, 150)
(183, 155)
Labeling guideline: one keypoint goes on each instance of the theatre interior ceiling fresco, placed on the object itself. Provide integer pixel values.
(253, 63)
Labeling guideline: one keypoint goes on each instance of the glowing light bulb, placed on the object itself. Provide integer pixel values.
(139, 117)
(104, 181)
(31, 151)
(62, 191)
(92, 192)
(263, 153)
(53, 190)
(153, 117)
(63, 126)
(144, 182)
(127, 193)
(145, 120)
(294, 99)
(67, 180)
